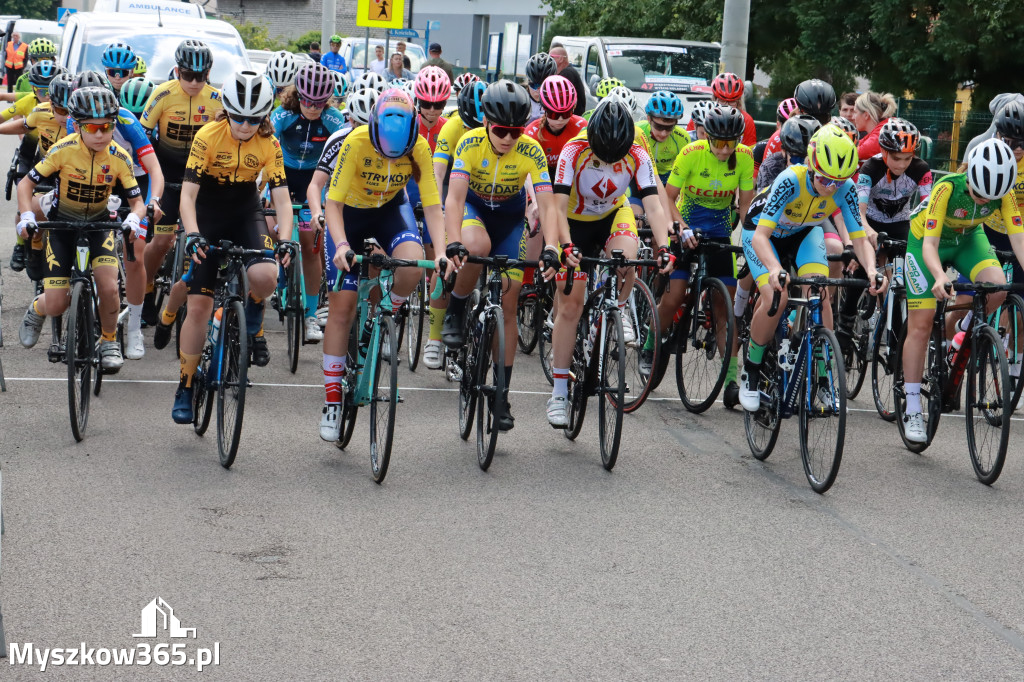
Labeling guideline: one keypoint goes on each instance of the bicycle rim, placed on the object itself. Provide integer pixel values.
(417, 311)
(231, 390)
(526, 321)
(703, 355)
(579, 383)
(202, 396)
(384, 402)
(613, 386)
(823, 410)
(988, 423)
(79, 357)
(882, 364)
(762, 427)
(643, 314)
(492, 395)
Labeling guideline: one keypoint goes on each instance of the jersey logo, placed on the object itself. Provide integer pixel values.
(106, 169)
(960, 213)
(917, 283)
(251, 161)
(484, 163)
(200, 108)
(930, 225)
(1016, 221)
(604, 188)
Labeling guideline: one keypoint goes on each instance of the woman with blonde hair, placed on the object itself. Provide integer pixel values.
(871, 111)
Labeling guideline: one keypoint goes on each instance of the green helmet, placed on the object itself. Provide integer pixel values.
(42, 48)
(135, 93)
(140, 66)
(606, 85)
(335, 38)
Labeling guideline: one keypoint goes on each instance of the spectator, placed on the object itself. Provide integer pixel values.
(378, 65)
(333, 59)
(396, 70)
(872, 110)
(405, 59)
(846, 105)
(437, 60)
(17, 52)
(566, 70)
(314, 52)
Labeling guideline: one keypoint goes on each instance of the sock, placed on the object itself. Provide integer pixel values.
(730, 374)
(755, 353)
(189, 364)
(108, 336)
(167, 317)
(334, 370)
(913, 397)
(1014, 369)
(740, 304)
(561, 377)
(134, 317)
(19, 240)
(508, 377)
(649, 341)
(397, 301)
(150, 287)
(311, 301)
(436, 323)
(253, 317)
(35, 307)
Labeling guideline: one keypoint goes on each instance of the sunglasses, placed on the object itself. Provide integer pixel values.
(535, 86)
(41, 93)
(94, 128)
(194, 76)
(430, 105)
(1014, 143)
(60, 111)
(501, 132)
(723, 144)
(556, 115)
(242, 120)
(663, 127)
(120, 73)
(829, 183)
(313, 104)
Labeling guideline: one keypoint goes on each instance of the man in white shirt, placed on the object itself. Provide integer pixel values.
(378, 65)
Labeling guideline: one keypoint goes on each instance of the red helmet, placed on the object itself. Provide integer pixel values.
(727, 87)
(557, 94)
(433, 84)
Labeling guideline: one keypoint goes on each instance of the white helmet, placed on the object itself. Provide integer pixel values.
(625, 95)
(246, 93)
(700, 110)
(991, 169)
(359, 104)
(410, 88)
(371, 79)
(282, 68)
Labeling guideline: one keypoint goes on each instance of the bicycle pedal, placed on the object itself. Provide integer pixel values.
(55, 354)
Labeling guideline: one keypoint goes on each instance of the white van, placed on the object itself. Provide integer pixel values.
(353, 49)
(154, 37)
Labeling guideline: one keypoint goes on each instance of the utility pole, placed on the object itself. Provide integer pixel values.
(327, 18)
(735, 29)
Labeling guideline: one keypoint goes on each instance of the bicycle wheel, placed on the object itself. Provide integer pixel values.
(349, 410)
(203, 395)
(526, 319)
(988, 415)
(468, 379)
(417, 312)
(612, 395)
(80, 354)
(762, 427)
(883, 366)
(1011, 330)
(491, 396)
(644, 315)
(294, 313)
(855, 356)
(384, 400)
(233, 378)
(823, 410)
(931, 391)
(703, 357)
(580, 379)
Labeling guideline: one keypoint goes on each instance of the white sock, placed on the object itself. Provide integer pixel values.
(740, 304)
(134, 317)
(913, 397)
(1015, 369)
(561, 377)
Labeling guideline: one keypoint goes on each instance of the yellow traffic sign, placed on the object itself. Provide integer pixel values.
(380, 13)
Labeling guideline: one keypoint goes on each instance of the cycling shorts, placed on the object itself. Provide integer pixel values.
(720, 264)
(298, 182)
(969, 253)
(413, 191)
(828, 227)
(591, 236)
(713, 222)
(237, 216)
(506, 230)
(897, 230)
(805, 250)
(169, 205)
(633, 198)
(60, 254)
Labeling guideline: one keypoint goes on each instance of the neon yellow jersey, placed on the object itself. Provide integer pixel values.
(448, 139)
(42, 121)
(704, 180)
(664, 154)
(496, 183)
(950, 211)
(21, 107)
(996, 221)
(363, 178)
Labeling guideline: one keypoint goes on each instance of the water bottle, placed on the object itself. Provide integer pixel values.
(113, 203)
(954, 346)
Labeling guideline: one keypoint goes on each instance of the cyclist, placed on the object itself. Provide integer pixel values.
(539, 67)
(220, 200)
(848, 127)
(697, 116)
(787, 108)
(594, 171)
(603, 89)
(665, 138)
(800, 199)
(135, 93)
(281, 70)
(462, 80)
(1009, 123)
(140, 66)
(302, 125)
(486, 208)
(40, 49)
(793, 138)
(727, 89)
(119, 63)
(91, 153)
(333, 59)
(815, 98)
(362, 206)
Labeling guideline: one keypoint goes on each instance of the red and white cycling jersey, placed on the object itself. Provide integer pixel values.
(594, 187)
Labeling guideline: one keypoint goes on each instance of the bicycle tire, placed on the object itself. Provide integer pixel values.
(986, 406)
(384, 400)
(232, 385)
(349, 410)
(526, 320)
(1011, 331)
(79, 354)
(202, 396)
(642, 308)
(467, 361)
(931, 391)
(489, 396)
(580, 380)
(417, 311)
(821, 468)
(855, 358)
(179, 319)
(97, 366)
(701, 341)
(883, 363)
(611, 396)
(546, 351)
(762, 427)
(294, 313)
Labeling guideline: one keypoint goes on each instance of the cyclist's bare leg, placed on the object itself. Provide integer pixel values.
(341, 309)
(563, 337)
(193, 329)
(509, 304)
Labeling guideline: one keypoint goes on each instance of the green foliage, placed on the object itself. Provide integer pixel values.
(32, 9)
(256, 35)
(301, 44)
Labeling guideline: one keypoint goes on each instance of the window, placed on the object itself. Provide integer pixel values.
(593, 64)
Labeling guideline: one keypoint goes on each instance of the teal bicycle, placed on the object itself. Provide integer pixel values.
(372, 376)
(290, 298)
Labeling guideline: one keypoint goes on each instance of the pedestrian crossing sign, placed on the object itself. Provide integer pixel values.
(380, 13)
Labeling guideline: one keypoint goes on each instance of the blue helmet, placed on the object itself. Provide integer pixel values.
(664, 104)
(394, 127)
(119, 56)
(471, 109)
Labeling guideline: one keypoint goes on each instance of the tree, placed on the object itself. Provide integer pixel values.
(31, 9)
(256, 35)
(302, 43)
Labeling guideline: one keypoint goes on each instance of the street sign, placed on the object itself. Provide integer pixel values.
(63, 13)
(380, 13)
(404, 33)
(434, 25)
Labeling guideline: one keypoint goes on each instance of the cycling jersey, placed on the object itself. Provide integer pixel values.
(705, 181)
(129, 134)
(995, 222)
(497, 182)
(448, 139)
(596, 188)
(23, 85)
(176, 118)
(793, 206)
(216, 159)
(770, 168)
(42, 121)
(21, 107)
(329, 156)
(950, 212)
(552, 143)
(664, 153)
(887, 197)
(84, 178)
(366, 179)
(302, 140)
(431, 134)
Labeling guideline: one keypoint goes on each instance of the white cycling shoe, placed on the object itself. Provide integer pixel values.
(433, 354)
(330, 422)
(313, 330)
(134, 345)
(750, 397)
(913, 428)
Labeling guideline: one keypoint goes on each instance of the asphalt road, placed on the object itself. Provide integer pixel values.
(690, 560)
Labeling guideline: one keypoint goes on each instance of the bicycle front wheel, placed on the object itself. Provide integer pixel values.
(704, 353)
(613, 389)
(526, 320)
(987, 411)
(1011, 330)
(80, 354)
(762, 427)
(468, 379)
(931, 391)
(823, 410)
(884, 346)
(294, 315)
(491, 396)
(855, 355)
(417, 311)
(233, 378)
(203, 395)
(384, 402)
(643, 314)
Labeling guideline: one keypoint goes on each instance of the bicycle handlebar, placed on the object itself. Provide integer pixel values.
(90, 226)
(226, 248)
(983, 287)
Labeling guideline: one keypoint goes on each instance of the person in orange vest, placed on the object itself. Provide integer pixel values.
(17, 52)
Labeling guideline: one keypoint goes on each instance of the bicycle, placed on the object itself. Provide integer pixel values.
(290, 298)
(414, 309)
(1008, 320)
(224, 363)
(802, 372)
(982, 357)
(886, 326)
(171, 270)
(373, 344)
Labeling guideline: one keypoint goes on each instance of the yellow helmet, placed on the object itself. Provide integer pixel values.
(140, 66)
(832, 153)
(605, 86)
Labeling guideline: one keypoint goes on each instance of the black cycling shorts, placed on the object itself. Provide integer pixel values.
(236, 216)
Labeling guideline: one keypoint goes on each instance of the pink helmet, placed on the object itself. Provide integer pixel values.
(314, 82)
(557, 94)
(786, 108)
(433, 84)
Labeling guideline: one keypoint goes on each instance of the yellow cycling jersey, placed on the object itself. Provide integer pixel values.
(218, 159)
(364, 178)
(22, 107)
(596, 188)
(497, 182)
(41, 120)
(995, 222)
(950, 211)
(448, 139)
(177, 118)
(85, 178)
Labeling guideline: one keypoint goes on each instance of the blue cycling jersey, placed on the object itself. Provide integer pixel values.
(302, 140)
(131, 136)
(334, 61)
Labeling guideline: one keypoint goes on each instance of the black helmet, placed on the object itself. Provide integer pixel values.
(61, 88)
(42, 72)
(86, 103)
(1010, 120)
(91, 79)
(505, 103)
(796, 133)
(724, 123)
(193, 55)
(539, 67)
(470, 109)
(611, 130)
(816, 98)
